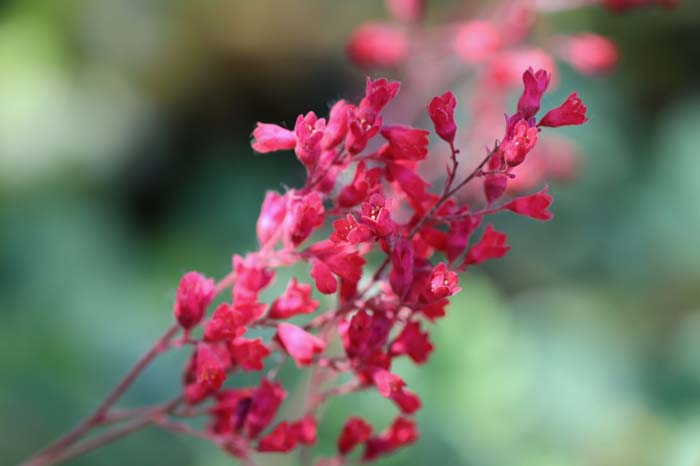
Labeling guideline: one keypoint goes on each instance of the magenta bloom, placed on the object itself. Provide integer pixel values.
(355, 431)
(535, 86)
(294, 301)
(298, 343)
(193, 297)
(492, 245)
(571, 112)
(272, 138)
(441, 110)
(533, 206)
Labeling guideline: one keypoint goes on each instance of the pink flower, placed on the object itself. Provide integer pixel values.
(355, 431)
(535, 85)
(378, 45)
(571, 112)
(306, 429)
(325, 282)
(533, 206)
(401, 275)
(477, 40)
(590, 53)
(492, 245)
(363, 184)
(252, 276)
(349, 230)
(443, 282)
(458, 236)
(378, 94)
(376, 214)
(249, 354)
(406, 143)
(295, 300)
(282, 439)
(271, 138)
(518, 143)
(412, 342)
(494, 187)
(309, 132)
(305, 214)
(298, 343)
(211, 371)
(407, 180)
(265, 402)
(402, 432)
(229, 321)
(192, 299)
(272, 213)
(337, 125)
(441, 110)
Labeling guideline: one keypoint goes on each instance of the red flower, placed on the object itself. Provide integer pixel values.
(272, 213)
(441, 110)
(192, 299)
(406, 143)
(375, 45)
(363, 184)
(298, 343)
(492, 245)
(402, 267)
(305, 214)
(535, 85)
(571, 112)
(306, 429)
(349, 230)
(282, 439)
(295, 300)
(412, 342)
(229, 321)
(337, 125)
(309, 132)
(518, 143)
(494, 187)
(443, 282)
(533, 206)
(378, 94)
(249, 354)
(265, 402)
(271, 138)
(402, 432)
(408, 181)
(211, 371)
(251, 277)
(458, 236)
(355, 431)
(376, 214)
(325, 282)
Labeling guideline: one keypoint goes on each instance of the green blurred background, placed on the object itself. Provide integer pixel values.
(125, 161)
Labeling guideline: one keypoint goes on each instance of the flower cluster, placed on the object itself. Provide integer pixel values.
(384, 214)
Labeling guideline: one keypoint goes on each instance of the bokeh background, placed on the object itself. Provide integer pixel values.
(125, 161)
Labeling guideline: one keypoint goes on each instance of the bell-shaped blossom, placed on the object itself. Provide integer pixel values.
(211, 370)
(295, 300)
(194, 294)
(282, 439)
(298, 343)
(401, 276)
(518, 143)
(305, 214)
(364, 183)
(272, 138)
(229, 321)
(323, 277)
(355, 432)
(492, 245)
(589, 53)
(443, 282)
(401, 433)
(378, 93)
(306, 430)
(536, 84)
(441, 110)
(494, 187)
(571, 112)
(349, 230)
(533, 206)
(408, 181)
(406, 143)
(265, 401)
(272, 213)
(412, 342)
(252, 276)
(309, 133)
(376, 214)
(248, 354)
(336, 126)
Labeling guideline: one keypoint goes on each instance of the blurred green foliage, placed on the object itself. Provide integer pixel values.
(124, 163)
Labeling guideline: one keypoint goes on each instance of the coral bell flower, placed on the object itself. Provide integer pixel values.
(535, 86)
(298, 343)
(193, 296)
(571, 112)
(272, 138)
(441, 110)
(295, 300)
(374, 45)
(443, 282)
(355, 431)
